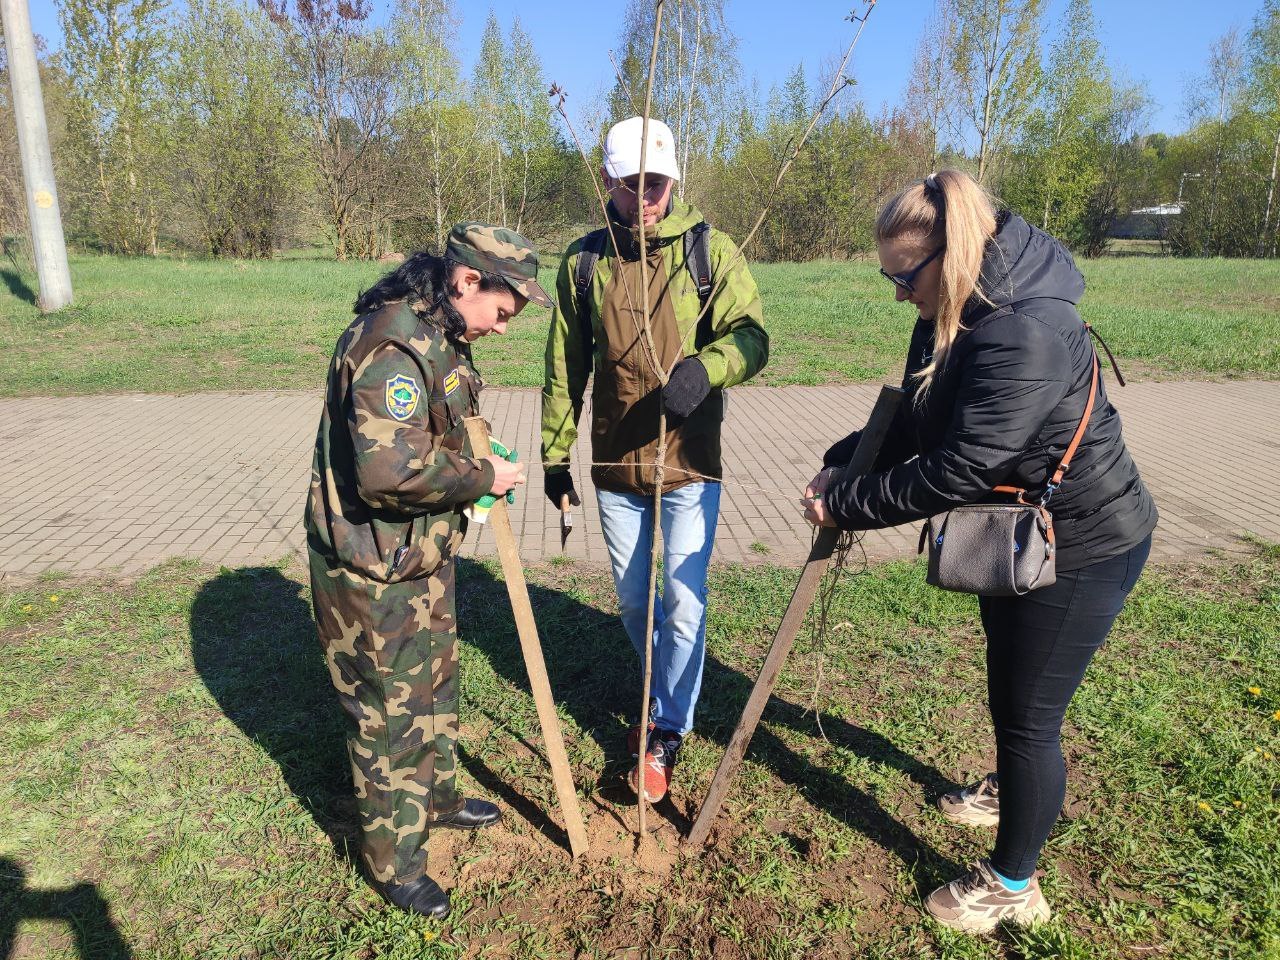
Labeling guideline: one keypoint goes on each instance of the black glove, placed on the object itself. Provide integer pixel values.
(841, 451)
(557, 485)
(687, 387)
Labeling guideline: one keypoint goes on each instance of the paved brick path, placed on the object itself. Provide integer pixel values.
(123, 482)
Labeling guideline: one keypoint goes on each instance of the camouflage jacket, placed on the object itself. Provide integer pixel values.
(738, 347)
(388, 480)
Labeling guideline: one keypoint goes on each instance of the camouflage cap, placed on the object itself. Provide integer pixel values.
(498, 250)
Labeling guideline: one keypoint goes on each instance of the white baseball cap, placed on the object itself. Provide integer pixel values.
(622, 149)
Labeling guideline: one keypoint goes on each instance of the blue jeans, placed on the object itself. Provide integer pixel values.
(689, 516)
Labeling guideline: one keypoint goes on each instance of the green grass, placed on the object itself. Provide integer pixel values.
(172, 781)
(186, 325)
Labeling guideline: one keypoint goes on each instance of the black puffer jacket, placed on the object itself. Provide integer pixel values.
(1002, 411)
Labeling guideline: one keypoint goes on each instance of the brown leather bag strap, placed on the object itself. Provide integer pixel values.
(1079, 435)
(1065, 464)
(1110, 356)
(1016, 491)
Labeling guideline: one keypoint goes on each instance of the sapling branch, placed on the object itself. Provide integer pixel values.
(661, 455)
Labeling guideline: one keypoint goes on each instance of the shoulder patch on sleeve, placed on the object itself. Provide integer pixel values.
(402, 396)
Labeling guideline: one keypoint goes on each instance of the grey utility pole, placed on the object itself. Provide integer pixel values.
(49, 248)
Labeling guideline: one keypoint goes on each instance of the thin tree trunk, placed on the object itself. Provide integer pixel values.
(153, 227)
(525, 154)
(524, 190)
(985, 133)
(1052, 178)
(661, 455)
(502, 185)
(439, 187)
(103, 186)
(688, 120)
(1271, 193)
(1213, 194)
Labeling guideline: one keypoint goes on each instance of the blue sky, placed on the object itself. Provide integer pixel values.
(1160, 42)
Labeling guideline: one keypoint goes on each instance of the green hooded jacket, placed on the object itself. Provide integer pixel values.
(737, 348)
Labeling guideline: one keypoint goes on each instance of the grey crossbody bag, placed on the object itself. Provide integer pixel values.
(1001, 549)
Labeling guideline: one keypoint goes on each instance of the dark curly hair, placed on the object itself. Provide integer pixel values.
(424, 277)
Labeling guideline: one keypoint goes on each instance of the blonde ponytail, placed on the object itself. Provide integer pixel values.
(945, 209)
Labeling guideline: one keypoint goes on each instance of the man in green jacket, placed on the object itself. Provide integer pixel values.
(598, 325)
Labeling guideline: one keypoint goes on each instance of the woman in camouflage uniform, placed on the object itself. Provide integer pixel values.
(384, 521)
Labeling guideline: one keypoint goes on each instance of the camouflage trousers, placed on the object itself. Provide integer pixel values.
(392, 650)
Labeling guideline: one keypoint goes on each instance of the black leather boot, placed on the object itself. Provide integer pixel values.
(472, 815)
(422, 896)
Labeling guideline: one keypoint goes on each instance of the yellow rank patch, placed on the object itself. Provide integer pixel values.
(451, 382)
(402, 396)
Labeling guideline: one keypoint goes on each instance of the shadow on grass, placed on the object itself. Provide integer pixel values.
(254, 645)
(81, 908)
(594, 675)
(17, 286)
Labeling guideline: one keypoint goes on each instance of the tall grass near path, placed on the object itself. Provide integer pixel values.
(166, 325)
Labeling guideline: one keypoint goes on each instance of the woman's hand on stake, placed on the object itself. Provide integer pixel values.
(815, 511)
(818, 485)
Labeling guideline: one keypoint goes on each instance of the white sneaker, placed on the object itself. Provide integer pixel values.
(979, 902)
(977, 805)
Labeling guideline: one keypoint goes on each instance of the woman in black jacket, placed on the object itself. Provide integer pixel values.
(998, 377)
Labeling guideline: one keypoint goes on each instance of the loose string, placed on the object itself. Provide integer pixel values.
(820, 612)
(773, 493)
(839, 569)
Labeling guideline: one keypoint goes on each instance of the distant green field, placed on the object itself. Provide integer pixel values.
(186, 325)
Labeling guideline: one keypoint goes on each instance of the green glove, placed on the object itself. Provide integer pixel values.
(488, 500)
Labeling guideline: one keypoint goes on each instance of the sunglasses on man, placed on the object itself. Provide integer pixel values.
(906, 281)
(654, 184)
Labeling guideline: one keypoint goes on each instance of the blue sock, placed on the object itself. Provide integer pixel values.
(1014, 886)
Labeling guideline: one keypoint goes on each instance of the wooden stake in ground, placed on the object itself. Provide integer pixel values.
(531, 647)
(816, 566)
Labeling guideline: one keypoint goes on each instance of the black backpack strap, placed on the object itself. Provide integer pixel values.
(697, 258)
(592, 247)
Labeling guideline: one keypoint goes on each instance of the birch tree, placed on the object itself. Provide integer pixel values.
(931, 86)
(1216, 97)
(344, 77)
(529, 131)
(114, 52)
(1064, 138)
(1264, 97)
(434, 128)
(994, 59)
(491, 102)
(695, 85)
(235, 156)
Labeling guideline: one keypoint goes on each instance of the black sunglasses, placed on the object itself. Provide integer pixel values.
(906, 280)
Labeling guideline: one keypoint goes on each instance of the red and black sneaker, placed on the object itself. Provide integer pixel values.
(659, 759)
(633, 738)
(633, 734)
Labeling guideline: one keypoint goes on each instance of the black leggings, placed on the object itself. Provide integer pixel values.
(1038, 646)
